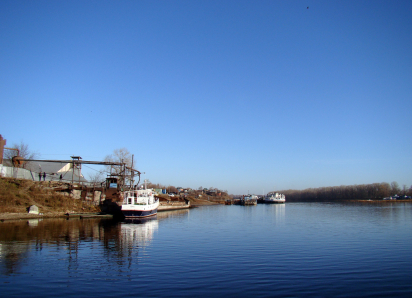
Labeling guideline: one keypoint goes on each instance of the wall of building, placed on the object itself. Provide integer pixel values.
(18, 173)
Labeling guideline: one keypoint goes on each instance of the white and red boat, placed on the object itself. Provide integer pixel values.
(139, 203)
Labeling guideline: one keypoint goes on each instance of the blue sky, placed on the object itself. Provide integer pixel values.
(245, 96)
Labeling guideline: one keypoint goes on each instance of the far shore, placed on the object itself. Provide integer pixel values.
(16, 195)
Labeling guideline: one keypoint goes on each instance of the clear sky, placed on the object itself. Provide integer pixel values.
(245, 96)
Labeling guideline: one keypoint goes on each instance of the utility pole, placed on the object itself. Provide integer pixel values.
(76, 164)
(2, 144)
(131, 174)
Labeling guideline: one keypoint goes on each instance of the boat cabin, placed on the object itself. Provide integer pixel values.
(111, 182)
(138, 197)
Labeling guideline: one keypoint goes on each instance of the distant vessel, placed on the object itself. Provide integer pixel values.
(275, 198)
(139, 203)
(249, 200)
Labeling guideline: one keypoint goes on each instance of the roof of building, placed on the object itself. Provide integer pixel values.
(66, 176)
(54, 169)
(48, 167)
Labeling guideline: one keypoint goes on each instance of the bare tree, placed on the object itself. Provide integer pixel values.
(395, 188)
(153, 185)
(384, 190)
(170, 189)
(96, 177)
(24, 151)
(118, 155)
(121, 155)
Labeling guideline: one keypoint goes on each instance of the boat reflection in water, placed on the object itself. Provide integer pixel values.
(138, 232)
(279, 210)
(117, 243)
(174, 214)
(280, 213)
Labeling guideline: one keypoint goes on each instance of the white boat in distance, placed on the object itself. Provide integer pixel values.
(275, 198)
(139, 203)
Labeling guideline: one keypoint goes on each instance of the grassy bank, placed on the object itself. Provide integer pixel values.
(16, 195)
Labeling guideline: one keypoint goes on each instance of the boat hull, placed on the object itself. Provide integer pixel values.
(274, 201)
(139, 213)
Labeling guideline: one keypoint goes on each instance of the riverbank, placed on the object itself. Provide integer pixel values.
(8, 216)
(17, 195)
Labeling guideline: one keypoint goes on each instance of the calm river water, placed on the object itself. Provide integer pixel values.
(291, 250)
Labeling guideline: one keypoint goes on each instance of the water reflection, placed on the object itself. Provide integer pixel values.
(173, 214)
(119, 240)
(138, 232)
(34, 222)
(275, 213)
(280, 213)
(18, 238)
(10, 256)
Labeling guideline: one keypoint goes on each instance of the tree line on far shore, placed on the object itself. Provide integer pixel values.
(374, 191)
